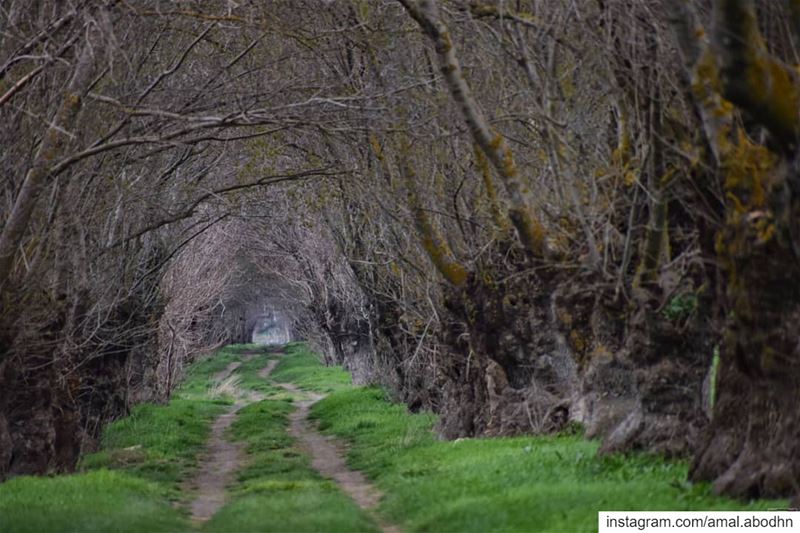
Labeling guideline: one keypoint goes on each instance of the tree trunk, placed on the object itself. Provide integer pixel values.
(50, 150)
(529, 228)
(752, 446)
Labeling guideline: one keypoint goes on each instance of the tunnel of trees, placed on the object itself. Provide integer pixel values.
(519, 215)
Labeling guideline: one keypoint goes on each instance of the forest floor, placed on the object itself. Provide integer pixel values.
(257, 440)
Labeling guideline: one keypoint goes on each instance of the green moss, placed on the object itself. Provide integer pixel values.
(482, 163)
(681, 306)
(713, 373)
(431, 239)
(530, 231)
(756, 81)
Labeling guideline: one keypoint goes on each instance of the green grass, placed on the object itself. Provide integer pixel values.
(301, 367)
(555, 483)
(278, 490)
(131, 482)
(157, 442)
(144, 458)
(161, 443)
(249, 371)
(98, 501)
(199, 376)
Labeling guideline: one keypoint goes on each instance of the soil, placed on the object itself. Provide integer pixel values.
(267, 370)
(223, 374)
(223, 458)
(328, 457)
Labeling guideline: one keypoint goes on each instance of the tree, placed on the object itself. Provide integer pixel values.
(750, 447)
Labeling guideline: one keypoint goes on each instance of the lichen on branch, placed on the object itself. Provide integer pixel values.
(530, 229)
(752, 78)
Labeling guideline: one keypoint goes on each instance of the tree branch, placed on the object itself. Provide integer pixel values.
(752, 78)
(529, 228)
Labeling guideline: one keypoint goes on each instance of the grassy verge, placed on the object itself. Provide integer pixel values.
(157, 443)
(555, 483)
(131, 482)
(161, 443)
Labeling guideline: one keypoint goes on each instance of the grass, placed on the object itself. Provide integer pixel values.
(553, 483)
(226, 388)
(278, 490)
(161, 443)
(301, 367)
(98, 501)
(158, 443)
(131, 482)
(249, 373)
(199, 377)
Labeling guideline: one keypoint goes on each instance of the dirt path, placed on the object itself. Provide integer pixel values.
(216, 470)
(267, 370)
(328, 458)
(222, 457)
(223, 374)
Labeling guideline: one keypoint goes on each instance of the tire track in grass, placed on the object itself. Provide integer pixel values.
(328, 458)
(223, 457)
(215, 472)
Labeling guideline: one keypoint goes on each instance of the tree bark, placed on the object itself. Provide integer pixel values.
(529, 227)
(751, 448)
(433, 241)
(52, 146)
(752, 78)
